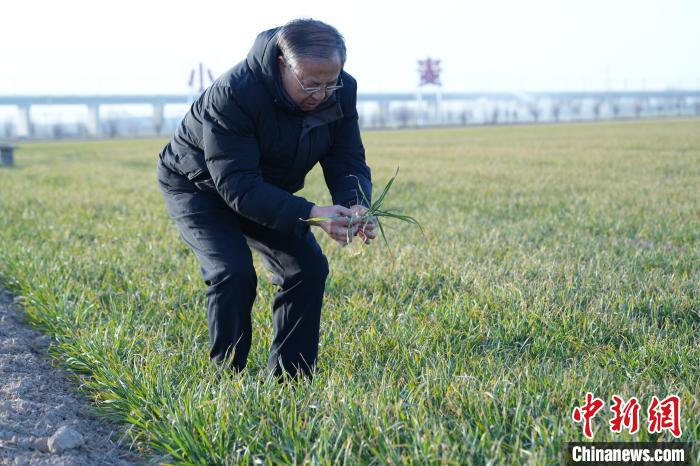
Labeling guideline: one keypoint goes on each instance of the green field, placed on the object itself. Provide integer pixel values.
(557, 260)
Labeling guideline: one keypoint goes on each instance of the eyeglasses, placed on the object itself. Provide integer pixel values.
(315, 89)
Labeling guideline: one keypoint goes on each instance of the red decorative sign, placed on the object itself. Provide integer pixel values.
(191, 81)
(429, 70)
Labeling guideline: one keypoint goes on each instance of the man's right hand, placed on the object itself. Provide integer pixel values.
(342, 223)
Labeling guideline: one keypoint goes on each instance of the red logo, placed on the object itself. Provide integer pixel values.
(662, 415)
(665, 415)
(587, 412)
(626, 415)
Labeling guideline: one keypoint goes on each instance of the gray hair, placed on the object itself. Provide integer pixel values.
(302, 39)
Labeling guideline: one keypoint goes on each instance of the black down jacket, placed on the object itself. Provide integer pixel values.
(245, 138)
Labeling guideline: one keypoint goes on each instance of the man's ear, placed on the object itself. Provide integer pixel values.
(281, 63)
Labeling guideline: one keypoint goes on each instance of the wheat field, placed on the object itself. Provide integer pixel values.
(557, 260)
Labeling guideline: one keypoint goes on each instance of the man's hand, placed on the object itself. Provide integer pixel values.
(366, 226)
(341, 225)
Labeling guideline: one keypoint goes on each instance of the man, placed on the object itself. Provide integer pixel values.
(228, 175)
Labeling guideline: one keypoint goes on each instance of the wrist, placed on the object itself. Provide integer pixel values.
(313, 213)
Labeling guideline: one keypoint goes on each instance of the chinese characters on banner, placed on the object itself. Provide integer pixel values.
(661, 415)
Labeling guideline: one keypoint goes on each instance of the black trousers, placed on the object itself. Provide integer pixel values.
(222, 241)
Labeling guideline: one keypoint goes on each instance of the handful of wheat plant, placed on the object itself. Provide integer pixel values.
(374, 212)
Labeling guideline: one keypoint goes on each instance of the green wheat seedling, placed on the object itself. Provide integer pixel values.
(374, 212)
(472, 349)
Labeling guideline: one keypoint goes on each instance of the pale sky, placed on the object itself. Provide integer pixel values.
(150, 46)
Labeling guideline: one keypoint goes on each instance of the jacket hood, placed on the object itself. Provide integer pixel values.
(262, 60)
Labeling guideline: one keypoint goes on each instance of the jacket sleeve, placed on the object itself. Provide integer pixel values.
(232, 155)
(344, 165)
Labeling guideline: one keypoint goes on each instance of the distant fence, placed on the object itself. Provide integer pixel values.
(385, 110)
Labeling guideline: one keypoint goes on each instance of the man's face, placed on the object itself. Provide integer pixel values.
(310, 73)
